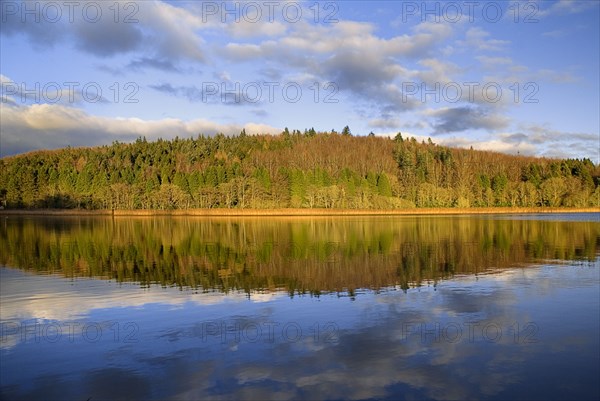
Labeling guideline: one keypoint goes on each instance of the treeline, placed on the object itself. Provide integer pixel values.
(299, 170)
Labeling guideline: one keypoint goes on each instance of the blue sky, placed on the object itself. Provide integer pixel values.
(516, 77)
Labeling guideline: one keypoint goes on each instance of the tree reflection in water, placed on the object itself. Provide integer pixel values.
(299, 255)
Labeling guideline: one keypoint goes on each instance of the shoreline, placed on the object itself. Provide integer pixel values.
(292, 212)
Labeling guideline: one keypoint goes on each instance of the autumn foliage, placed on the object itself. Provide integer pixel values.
(292, 170)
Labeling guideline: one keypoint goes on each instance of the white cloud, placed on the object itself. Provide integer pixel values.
(384, 123)
(153, 28)
(59, 298)
(174, 30)
(495, 145)
(46, 126)
(238, 52)
(350, 55)
(479, 39)
(491, 63)
(557, 33)
(439, 71)
(504, 70)
(246, 29)
(562, 7)
(531, 140)
(558, 77)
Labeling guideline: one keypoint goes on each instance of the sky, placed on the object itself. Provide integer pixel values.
(519, 77)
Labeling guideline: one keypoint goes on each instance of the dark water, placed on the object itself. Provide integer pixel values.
(410, 308)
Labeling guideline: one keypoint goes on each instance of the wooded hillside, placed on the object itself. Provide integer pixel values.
(300, 170)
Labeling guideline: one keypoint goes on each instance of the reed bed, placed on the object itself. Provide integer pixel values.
(298, 212)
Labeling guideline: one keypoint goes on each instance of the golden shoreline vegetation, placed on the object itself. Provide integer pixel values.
(296, 212)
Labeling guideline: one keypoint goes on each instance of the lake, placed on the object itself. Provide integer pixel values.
(391, 307)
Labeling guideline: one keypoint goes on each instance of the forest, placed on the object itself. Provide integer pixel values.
(291, 170)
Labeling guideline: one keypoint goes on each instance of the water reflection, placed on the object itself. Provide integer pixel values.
(400, 314)
(520, 334)
(301, 255)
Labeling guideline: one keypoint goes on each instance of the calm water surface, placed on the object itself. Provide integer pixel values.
(463, 307)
